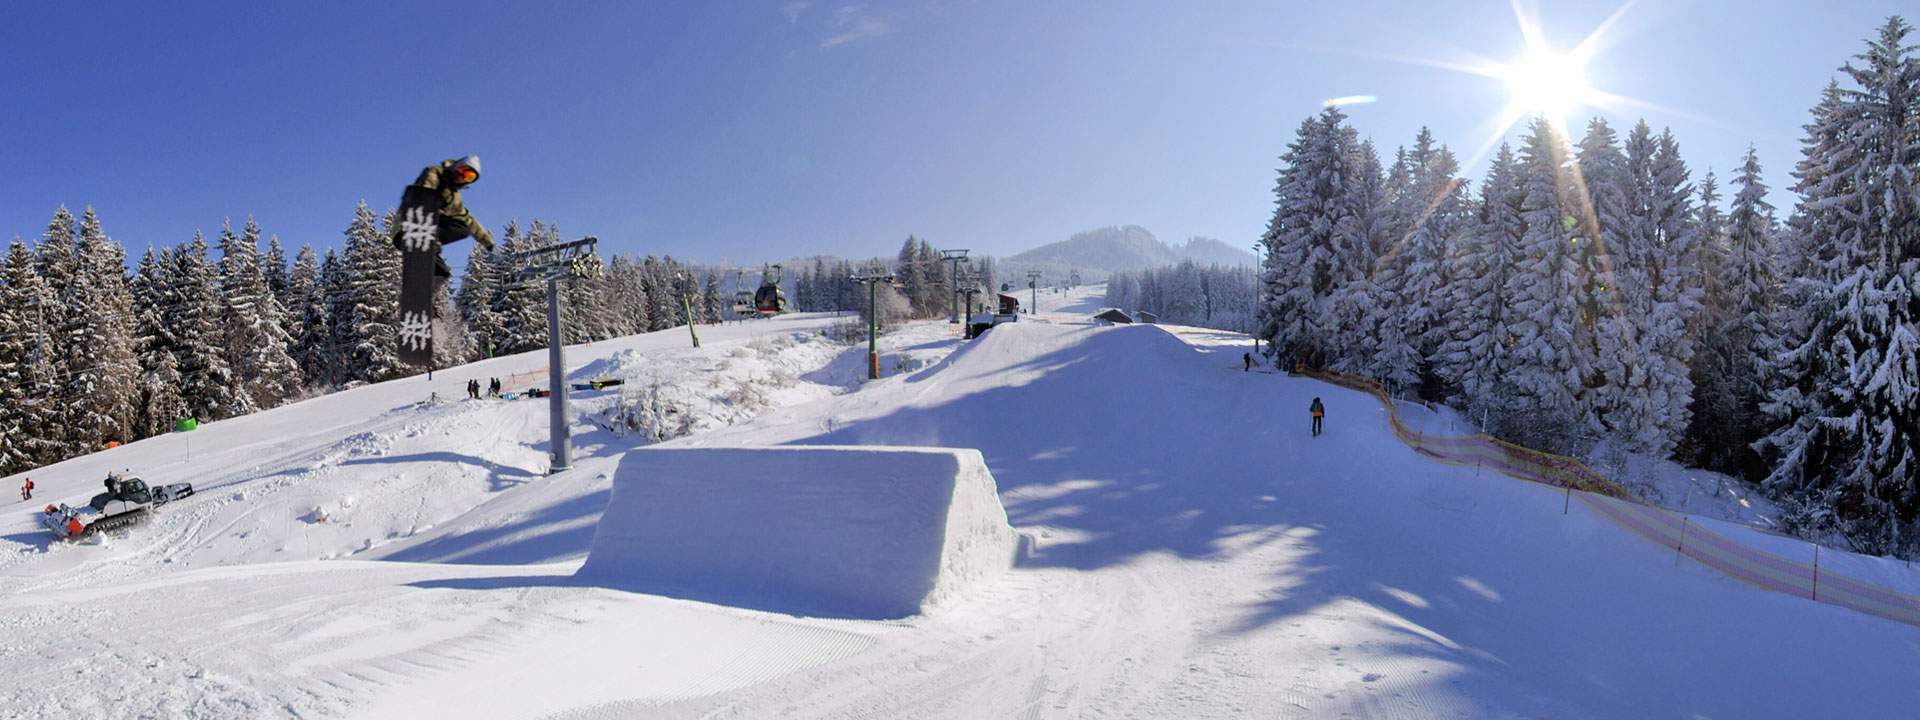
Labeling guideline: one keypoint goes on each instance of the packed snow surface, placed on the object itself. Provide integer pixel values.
(849, 532)
(1195, 552)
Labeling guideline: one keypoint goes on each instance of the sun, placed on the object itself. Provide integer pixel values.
(1548, 83)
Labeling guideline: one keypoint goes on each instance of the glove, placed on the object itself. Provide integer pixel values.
(484, 237)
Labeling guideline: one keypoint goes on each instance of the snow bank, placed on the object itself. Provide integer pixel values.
(859, 532)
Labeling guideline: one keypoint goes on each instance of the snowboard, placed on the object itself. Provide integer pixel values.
(420, 236)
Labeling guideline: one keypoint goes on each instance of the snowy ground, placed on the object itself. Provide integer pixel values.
(1194, 553)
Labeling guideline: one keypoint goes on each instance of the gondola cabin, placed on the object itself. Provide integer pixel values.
(768, 300)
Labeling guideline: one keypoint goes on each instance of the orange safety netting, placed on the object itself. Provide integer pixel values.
(1755, 567)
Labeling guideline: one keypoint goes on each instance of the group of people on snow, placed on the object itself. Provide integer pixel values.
(493, 388)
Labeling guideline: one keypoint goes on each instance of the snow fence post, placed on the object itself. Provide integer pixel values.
(1680, 548)
(1567, 506)
(1816, 572)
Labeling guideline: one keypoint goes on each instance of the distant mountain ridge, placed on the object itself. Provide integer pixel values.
(1130, 247)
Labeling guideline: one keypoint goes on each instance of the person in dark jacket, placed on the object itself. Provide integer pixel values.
(1318, 410)
(448, 179)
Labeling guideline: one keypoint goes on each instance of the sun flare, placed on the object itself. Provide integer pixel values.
(1546, 82)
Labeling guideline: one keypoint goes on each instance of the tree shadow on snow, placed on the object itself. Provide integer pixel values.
(499, 477)
(553, 534)
(1131, 443)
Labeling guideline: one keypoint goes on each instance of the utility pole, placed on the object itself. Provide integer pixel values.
(1033, 284)
(955, 256)
(560, 262)
(873, 281)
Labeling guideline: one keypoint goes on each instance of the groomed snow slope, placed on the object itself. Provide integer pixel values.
(1196, 554)
(1201, 555)
(869, 532)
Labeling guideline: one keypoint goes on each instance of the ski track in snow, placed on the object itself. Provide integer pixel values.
(1189, 553)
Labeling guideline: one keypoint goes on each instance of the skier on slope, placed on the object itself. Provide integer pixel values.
(26, 490)
(1318, 410)
(448, 179)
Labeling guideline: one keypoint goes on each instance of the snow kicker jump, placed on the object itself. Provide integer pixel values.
(862, 532)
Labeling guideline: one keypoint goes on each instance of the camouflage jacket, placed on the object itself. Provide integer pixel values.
(455, 221)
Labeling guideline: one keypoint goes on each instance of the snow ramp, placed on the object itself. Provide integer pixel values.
(856, 532)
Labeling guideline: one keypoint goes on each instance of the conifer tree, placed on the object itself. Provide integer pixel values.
(157, 401)
(102, 369)
(29, 399)
(312, 325)
(194, 315)
(1846, 399)
(372, 270)
(479, 290)
(1475, 355)
(255, 325)
(1307, 255)
(1547, 371)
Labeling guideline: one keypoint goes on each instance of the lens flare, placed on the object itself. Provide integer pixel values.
(1546, 82)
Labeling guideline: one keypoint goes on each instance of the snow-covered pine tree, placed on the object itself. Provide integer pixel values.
(630, 298)
(714, 298)
(257, 344)
(479, 289)
(103, 376)
(312, 327)
(1846, 403)
(1611, 288)
(1357, 341)
(58, 266)
(1423, 218)
(936, 297)
(1735, 351)
(1544, 322)
(157, 403)
(521, 306)
(1304, 259)
(194, 315)
(910, 276)
(372, 268)
(337, 289)
(1704, 444)
(1676, 286)
(29, 398)
(273, 266)
(1475, 355)
(453, 344)
(661, 299)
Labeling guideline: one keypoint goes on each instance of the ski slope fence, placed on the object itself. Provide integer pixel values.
(1755, 567)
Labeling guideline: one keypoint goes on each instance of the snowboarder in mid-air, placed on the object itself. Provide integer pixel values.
(1317, 411)
(431, 215)
(453, 222)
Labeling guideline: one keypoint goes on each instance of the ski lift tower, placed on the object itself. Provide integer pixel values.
(1033, 284)
(873, 280)
(553, 264)
(954, 256)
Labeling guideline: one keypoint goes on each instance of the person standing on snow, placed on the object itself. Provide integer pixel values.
(1317, 411)
(448, 179)
(26, 490)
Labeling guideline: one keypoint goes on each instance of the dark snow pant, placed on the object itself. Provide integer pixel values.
(1316, 426)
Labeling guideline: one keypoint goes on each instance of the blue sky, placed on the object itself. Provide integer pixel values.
(750, 131)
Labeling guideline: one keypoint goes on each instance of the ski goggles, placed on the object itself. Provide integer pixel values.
(465, 174)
